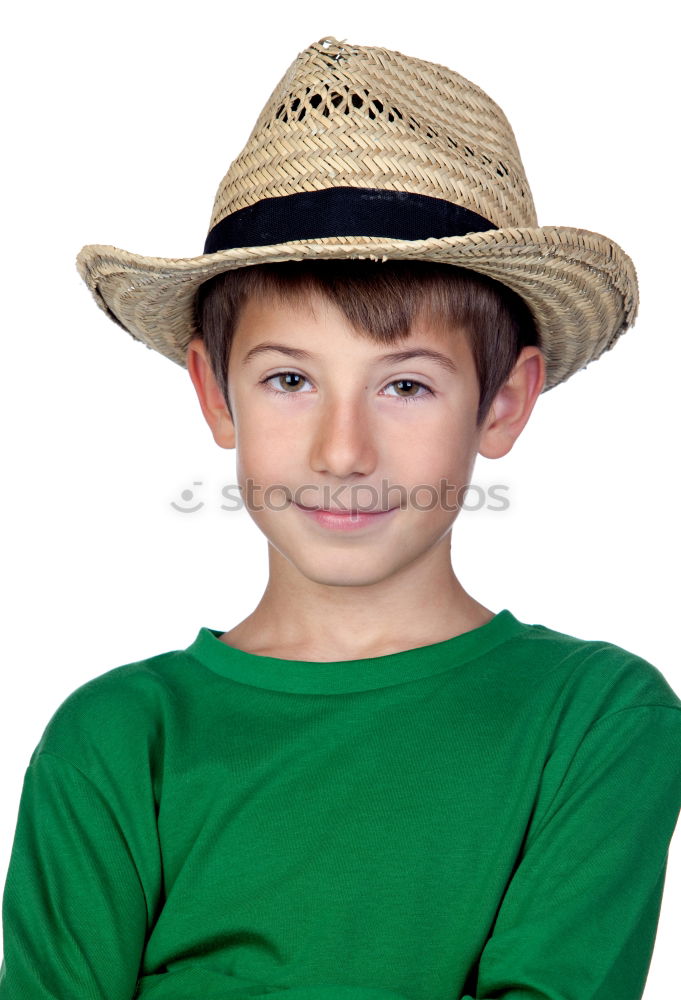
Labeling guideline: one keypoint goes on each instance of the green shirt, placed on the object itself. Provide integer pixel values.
(487, 816)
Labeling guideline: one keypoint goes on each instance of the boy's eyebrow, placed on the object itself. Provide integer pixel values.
(397, 356)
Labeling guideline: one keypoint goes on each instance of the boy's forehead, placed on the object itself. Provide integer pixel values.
(311, 320)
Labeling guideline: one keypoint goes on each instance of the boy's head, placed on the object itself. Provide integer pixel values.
(374, 192)
(340, 416)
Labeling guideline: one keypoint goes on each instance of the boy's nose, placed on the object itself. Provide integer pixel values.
(342, 442)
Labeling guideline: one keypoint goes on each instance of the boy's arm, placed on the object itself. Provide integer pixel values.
(579, 917)
(577, 921)
(74, 912)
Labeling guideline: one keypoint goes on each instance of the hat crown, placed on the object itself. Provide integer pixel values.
(359, 116)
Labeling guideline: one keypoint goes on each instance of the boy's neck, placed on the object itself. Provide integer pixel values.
(301, 619)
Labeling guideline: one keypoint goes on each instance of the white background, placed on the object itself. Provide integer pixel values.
(120, 120)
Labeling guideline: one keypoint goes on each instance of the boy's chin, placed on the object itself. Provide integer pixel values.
(341, 565)
(341, 573)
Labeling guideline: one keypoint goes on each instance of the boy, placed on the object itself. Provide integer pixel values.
(373, 786)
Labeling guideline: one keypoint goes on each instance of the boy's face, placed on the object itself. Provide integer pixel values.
(343, 430)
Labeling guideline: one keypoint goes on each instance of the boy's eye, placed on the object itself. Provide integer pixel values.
(406, 384)
(289, 384)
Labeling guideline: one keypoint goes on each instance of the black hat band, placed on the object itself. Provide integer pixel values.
(343, 211)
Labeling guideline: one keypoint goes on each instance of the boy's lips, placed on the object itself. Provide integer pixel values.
(345, 521)
(340, 511)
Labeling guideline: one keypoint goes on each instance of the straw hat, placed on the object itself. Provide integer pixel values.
(365, 152)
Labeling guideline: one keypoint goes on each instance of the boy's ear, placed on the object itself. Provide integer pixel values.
(513, 404)
(211, 400)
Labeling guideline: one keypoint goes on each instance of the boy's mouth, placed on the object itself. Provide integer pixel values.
(341, 511)
(335, 519)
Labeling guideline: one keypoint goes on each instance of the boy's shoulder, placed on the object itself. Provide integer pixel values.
(123, 707)
(591, 678)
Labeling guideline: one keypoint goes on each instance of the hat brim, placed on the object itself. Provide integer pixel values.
(580, 286)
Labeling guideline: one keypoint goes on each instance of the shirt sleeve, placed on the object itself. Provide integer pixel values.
(579, 916)
(74, 912)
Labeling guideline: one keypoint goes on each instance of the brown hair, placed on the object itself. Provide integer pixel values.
(380, 300)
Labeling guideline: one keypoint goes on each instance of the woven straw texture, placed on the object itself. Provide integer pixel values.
(353, 116)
